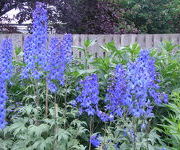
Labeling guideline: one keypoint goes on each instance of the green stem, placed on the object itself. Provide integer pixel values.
(65, 102)
(105, 134)
(47, 101)
(90, 131)
(86, 58)
(55, 117)
(134, 136)
(147, 135)
(37, 93)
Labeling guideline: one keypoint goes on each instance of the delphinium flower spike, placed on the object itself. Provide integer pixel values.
(39, 33)
(58, 57)
(6, 51)
(28, 58)
(5, 74)
(116, 93)
(35, 46)
(89, 96)
(141, 81)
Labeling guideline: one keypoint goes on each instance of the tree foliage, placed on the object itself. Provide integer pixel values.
(104, 16)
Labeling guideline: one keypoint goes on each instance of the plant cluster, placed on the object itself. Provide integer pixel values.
(51, 100)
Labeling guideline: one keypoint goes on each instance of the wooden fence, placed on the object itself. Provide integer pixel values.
(146, 41)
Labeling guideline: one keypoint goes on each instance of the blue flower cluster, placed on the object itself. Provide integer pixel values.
(3, 98)
(134, 89)
(59, 56)
(35, 47)
(40, 35)
(6, 66)
(117, 92)
(66, 48)
(5, 74)
(28, 58)
(36, 56)
(95, 141)
(89, 97)
(142, 85)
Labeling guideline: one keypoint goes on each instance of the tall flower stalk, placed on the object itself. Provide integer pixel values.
(5, 74)
(88, 99)
(117, 93)
(59, 56)
(35, 46)
(142, 86)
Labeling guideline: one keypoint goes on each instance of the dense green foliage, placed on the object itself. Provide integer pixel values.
(152, 16)
(103, 16)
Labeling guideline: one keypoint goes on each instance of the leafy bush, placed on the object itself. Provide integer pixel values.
(168, 65)
(171, 124)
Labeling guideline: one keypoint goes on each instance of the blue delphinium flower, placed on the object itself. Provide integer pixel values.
(35, 51)
(28, 58)
(94, 139)
(58, 57)
(138, 90)
(104, 116)
(153, 87)
(39, 33)
(116, 93)
(3, 98)
(5, 74)
(6, 59)
(89, 97)
(141, 83)
(66, 48)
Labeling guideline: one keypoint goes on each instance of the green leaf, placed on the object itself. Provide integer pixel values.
(18, 50)
(89, 43)
(62, 135)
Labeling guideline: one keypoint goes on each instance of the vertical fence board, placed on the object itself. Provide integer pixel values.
(82, 38)
(94, 49)
(75, 43)
(166, 37)
(141, 39)
(174, 38)
(117, 40)
(125, 40)
(149, 41)
(157, 40)
(17, 42)
(108, 38)
(133, 38)
(101, 42)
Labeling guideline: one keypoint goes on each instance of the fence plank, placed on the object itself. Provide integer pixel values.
(75, 43)
(149, 41)
(117, 40)
(157, 39)
(133, 38)
(94, 49)
(141, 39)
(125, 40)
